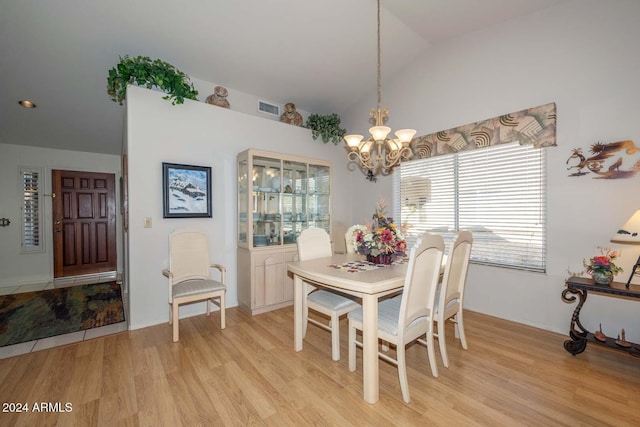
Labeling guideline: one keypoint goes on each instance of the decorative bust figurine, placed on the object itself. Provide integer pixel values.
(290, 115)
(219, 97)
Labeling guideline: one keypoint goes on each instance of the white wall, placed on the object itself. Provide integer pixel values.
(18, 268)
(581, 55)
(241, 101)
(196, 133)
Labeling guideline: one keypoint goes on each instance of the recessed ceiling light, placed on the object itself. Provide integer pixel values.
(27, 104)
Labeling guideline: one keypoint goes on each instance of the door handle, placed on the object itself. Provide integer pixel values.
(58, 231)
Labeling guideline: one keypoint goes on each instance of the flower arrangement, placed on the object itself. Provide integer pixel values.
(381, 241)
(602, 265)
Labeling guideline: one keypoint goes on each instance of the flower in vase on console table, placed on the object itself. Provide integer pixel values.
(601, 267)
(382, 241)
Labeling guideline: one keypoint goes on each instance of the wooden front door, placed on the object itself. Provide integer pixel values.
(84, 223)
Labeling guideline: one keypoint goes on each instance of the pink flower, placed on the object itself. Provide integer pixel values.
(601, 260)
(387, 237)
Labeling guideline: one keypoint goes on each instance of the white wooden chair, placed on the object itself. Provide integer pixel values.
(449, 302)
(316, 243)
(337, 231)
(189, 275)
(410, 315)
(350, 237)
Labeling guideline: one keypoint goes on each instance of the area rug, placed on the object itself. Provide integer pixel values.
(31, 316)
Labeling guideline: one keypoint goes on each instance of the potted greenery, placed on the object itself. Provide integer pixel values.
(326, 126)
(143, 71)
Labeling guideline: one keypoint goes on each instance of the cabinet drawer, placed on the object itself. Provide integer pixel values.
(269, 258)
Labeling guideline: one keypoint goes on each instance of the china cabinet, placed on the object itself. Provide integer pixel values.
(279, 195)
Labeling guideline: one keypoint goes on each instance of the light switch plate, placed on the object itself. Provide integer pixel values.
(147, 222)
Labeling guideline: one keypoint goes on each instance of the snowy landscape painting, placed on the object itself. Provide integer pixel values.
(186, 191)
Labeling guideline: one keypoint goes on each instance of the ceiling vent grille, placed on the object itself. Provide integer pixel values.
(271, 109)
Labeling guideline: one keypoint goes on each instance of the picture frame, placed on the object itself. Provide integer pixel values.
(186, 191)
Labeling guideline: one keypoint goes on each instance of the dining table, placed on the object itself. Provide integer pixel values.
(350, 274)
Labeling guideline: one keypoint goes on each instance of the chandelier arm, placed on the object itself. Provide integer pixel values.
(365, 162)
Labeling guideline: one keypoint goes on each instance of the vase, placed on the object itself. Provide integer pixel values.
(602, 277)
(385, 259)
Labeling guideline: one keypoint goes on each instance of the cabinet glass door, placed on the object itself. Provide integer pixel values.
(267, 187)
(294, 200)
(243, 200)
(319, 191)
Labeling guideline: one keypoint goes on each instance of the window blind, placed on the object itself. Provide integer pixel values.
(498, 193)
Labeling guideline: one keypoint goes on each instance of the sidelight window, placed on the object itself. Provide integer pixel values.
(31, 207)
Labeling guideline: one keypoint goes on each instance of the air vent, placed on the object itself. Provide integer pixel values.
(271, 109)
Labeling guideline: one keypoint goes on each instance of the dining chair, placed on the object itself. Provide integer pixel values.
(189, 275)
(337, 231)
(451, 295)
(350, 237)
(408, 316)
(315, 243)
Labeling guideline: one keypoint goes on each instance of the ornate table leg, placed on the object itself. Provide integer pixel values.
(577, 332)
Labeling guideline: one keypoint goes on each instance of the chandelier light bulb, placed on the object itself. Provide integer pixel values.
(405, 135)
(353, 141)
(379, 133)
(365, 148)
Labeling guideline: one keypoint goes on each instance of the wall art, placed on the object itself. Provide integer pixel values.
(607, 161)
(186, 191)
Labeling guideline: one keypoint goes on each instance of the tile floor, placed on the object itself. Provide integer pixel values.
(59, 340)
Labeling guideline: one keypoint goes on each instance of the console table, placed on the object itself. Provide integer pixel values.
(581, 286)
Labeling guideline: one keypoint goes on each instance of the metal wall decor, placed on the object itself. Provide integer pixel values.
(607, 161)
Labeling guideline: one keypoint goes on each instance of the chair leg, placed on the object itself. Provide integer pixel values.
(209, 303)
(460, 329)
(222, 313)
(352, 347)
(431, 351)
(170, 313)
(335, 337)
(442, 342)
(402, 371)
(176, 310)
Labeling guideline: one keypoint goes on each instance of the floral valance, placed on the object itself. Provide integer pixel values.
(536, 125)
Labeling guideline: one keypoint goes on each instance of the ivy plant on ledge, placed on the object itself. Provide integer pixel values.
(142, 71)
(326, 126)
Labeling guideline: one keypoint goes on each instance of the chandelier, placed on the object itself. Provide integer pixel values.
(379, 153)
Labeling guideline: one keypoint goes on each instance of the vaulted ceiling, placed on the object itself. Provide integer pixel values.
(319, 54)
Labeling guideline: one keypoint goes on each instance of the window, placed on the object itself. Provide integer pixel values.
(498, 193)
(31, 210)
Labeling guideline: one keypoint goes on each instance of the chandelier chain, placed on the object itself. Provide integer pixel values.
(379, 63)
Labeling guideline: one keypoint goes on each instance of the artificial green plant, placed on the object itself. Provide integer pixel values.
(326, 126)
(145, 72)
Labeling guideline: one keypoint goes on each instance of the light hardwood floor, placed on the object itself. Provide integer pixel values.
(248, 374)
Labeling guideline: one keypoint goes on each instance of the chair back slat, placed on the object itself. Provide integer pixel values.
(314, 243)
(189, 255)
(350, 237)
(455, 274)
(423, 273)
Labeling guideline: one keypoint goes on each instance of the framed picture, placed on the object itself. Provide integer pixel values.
(186, 191)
